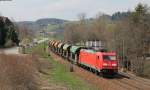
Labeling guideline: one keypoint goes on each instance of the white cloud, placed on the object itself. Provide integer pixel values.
(67, 9)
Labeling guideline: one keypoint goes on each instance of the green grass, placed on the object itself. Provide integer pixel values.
(39, 37)
(59, 74)
(51, 27)
(39, 49)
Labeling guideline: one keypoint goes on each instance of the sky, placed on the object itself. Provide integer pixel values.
(31, 10)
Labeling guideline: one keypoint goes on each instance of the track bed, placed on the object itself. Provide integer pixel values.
(120, 82)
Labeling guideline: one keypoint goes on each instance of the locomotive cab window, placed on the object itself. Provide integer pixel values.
(109, 57)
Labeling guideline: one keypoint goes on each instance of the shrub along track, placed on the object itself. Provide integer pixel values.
(120, 82)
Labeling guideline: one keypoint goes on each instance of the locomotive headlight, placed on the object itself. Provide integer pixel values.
(114, 64)
(105, 64)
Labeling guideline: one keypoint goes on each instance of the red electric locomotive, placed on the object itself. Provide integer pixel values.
(104, 62)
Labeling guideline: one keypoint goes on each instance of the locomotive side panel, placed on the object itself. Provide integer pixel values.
(88, 59)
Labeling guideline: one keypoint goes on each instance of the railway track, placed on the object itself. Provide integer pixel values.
(134, 81)
(129, 85)
(138, 79)
(120, 82)
(124, 85)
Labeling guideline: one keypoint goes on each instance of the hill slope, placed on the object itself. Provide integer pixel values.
(36, 25)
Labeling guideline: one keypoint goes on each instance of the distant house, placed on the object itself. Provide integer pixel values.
(95, 44)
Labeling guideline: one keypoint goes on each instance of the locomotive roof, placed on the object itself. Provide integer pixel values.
(98, 52)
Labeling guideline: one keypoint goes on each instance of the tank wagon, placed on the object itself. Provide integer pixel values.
(102, 62)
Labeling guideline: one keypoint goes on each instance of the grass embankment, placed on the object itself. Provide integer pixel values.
(59, 75)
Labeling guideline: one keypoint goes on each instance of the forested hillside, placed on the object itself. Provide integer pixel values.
(40, 23)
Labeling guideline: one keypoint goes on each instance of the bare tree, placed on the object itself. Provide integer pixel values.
(129, 36)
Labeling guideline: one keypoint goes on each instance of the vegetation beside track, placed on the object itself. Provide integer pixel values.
(18, 72)
(58, 74)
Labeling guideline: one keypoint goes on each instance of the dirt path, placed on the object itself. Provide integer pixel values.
(13, 50)
(120, 82)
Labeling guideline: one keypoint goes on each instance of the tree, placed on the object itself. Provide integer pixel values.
(7, 32)
(131, 38)
(127, 33)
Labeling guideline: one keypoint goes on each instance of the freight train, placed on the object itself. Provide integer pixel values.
(101, 62)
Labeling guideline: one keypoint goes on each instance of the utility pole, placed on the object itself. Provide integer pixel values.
(44, 35)
(44, 32)
(123, 54)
